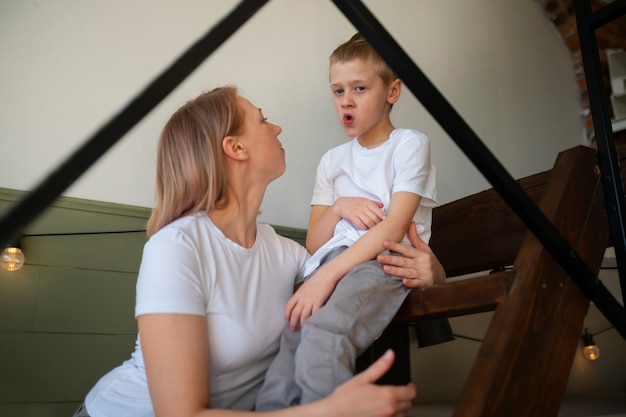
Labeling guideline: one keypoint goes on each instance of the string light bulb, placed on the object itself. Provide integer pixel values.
(590, 350)
(12, 257)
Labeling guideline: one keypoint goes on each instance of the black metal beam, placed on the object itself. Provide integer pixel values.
(31, 205)
(600, 17)
(599, 103)
(483, 159)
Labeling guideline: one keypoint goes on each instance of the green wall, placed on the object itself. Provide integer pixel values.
(67, 317)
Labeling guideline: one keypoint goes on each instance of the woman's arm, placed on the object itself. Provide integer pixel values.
(175, 353)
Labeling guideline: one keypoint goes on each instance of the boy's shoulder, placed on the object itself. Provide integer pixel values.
(402, 133)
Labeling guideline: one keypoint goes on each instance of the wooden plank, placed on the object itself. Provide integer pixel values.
(468, 296)
(76, 215)
(18, 298)
(51, 299)
(108, 252)
(49, 367)
(480, 232)
(47, 409)
(86, 301)
(524, 361)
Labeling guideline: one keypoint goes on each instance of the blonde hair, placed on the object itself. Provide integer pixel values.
(191, 174)
(358, 48)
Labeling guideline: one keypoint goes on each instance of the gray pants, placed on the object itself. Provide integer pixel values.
(313, 362)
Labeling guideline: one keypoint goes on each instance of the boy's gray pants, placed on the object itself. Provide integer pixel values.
(313, 362)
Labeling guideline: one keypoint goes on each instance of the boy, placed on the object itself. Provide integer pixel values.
(366, 191)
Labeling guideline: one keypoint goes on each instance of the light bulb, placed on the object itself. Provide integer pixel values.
(591, 352)
(12, 258)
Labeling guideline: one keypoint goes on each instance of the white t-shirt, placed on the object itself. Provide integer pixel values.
(190, 267)
(402, 163)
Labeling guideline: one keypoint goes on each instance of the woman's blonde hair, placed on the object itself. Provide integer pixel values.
(191, 174)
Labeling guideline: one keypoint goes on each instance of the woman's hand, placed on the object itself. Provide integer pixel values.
(418, 266)
(360, 396)
(361, 212)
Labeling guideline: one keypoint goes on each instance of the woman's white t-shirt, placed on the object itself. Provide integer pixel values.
(190, 267)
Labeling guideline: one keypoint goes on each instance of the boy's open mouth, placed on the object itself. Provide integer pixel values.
(348, 119)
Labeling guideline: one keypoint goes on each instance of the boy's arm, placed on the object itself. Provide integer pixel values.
(316, 290)
(362, 212)
(321, 225)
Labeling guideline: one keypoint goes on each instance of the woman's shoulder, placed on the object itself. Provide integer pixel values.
(182, 228)
(267, 233)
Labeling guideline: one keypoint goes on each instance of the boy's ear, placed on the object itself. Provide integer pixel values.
(394, 91)
(233, 148)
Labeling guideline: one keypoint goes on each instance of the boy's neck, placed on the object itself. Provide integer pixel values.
(376, 137)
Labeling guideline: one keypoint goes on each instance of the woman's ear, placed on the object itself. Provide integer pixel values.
(233, 148)
(394, 91)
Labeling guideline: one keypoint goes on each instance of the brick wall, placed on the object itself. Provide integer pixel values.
(610, 36)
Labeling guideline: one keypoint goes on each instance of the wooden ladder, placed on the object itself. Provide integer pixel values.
(525, 358)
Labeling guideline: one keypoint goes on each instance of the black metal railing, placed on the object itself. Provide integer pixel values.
(587, 23)
(36, 201)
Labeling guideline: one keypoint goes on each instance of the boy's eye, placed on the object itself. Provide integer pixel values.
(360, 88)
(338, 91)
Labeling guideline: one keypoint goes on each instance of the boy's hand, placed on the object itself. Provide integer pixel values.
(311, 295)
(361, 212)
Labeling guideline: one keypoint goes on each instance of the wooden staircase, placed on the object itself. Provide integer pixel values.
(524, 362)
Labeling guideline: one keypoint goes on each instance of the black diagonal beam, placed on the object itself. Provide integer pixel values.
(483, 159)
(599, 104)
(600, 17)
(29, 207)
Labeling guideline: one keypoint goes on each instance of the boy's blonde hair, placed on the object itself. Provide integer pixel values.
(358, 48)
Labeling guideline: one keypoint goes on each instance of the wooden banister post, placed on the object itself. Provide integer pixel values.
(523, 364)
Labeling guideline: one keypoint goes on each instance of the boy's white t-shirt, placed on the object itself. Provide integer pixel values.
(190, 267)
(402, 163)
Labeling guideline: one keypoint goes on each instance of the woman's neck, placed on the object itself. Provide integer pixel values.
(238, 218)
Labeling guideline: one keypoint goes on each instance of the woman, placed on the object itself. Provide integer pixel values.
(213, 282)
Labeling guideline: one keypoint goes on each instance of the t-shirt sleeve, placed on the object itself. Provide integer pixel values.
(169, 278)
(300, 256)
(323, 192)
(414, 171)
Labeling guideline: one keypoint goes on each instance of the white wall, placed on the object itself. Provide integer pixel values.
(69, 65)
